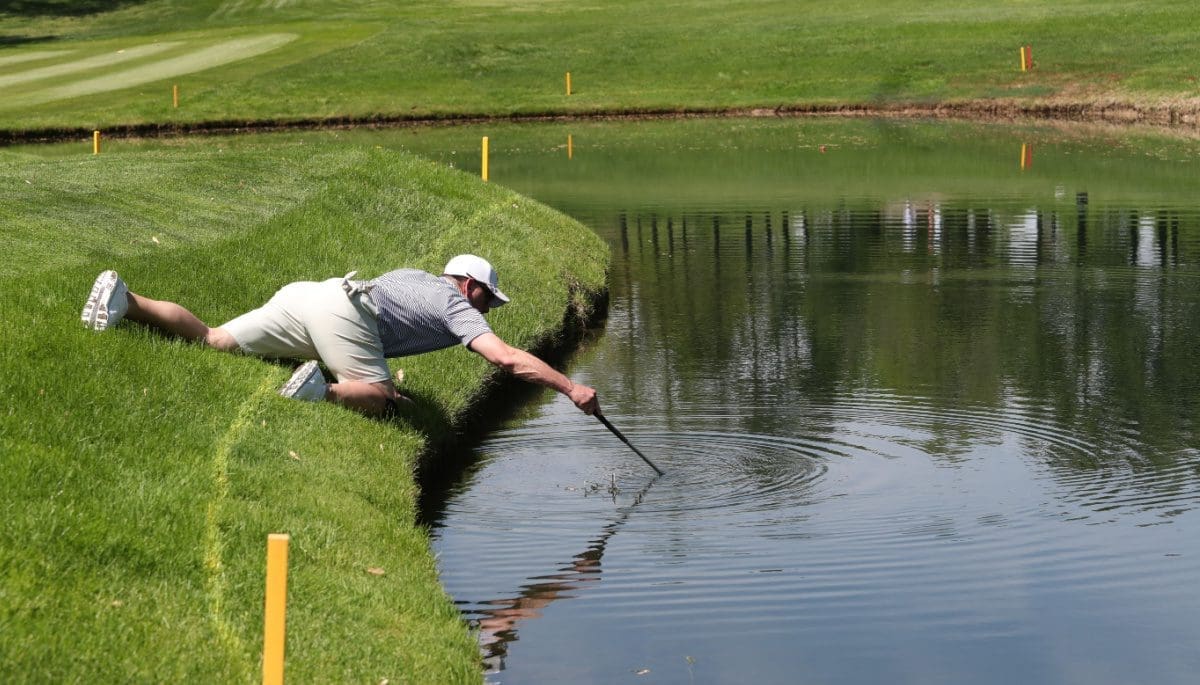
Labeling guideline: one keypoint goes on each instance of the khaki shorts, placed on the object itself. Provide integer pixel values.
(323, 320)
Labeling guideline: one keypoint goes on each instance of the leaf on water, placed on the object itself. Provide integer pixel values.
(375, 571)
(293, 455)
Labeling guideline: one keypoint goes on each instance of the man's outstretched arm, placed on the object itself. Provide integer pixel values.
(529, 368)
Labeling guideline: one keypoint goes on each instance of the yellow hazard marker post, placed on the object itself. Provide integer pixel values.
(570, 147)
(485, 158)
(95, 142)
(1026, 156)
(276, 608)
(175, 96)
(568, 83)
(1026, 57)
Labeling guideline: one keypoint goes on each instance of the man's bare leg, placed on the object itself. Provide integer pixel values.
(176, 319)
(372, 399)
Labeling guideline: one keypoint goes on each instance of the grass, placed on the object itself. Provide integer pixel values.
(331, 59)
(142, 474)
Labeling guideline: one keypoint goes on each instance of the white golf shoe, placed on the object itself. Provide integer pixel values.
(107, 303)
(307, 383)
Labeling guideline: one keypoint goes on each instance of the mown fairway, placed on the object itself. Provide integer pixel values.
(239, 60)
(141, 475)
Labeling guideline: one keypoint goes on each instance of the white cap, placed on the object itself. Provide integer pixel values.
(481, 270)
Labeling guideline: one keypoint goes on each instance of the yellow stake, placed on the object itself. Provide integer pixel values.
(568, 83)
(276, 608)
(570, 147)
(1023, 68)
(95, 142)
(485, 158)
(175, 95)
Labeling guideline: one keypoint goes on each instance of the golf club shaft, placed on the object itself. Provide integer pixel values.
(625, 440)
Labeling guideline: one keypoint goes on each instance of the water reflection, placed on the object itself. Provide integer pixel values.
(927, 297)
(498, 620)
(923, 420)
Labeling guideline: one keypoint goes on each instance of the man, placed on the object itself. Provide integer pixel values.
(352, 327)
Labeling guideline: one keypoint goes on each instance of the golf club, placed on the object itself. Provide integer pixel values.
(625, 440)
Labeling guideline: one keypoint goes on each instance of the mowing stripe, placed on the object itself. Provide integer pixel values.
(214, 545)
(105, 60)
(227, 8)
(230, 7)
(32, 56)
(199, 60)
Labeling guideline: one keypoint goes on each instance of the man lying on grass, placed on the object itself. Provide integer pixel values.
(351, 326)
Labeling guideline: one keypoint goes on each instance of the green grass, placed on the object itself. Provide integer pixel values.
(142, 475)
(366, 59)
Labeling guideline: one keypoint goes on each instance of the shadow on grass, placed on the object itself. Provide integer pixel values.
(62, 8)
(6, 41)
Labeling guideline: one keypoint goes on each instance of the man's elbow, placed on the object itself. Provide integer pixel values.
(508, 362)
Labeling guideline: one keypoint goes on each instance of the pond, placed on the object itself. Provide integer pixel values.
(926, 396)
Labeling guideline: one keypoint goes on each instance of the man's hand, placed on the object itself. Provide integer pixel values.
(584, 397)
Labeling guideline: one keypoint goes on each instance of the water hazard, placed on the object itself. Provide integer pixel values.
(927, 405)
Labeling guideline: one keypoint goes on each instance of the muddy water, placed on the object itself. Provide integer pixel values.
(927, 402)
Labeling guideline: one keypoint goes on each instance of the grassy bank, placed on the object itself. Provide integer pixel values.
(141, 475)
(240, 62)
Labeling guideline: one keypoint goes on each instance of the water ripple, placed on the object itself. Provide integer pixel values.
(869, 509)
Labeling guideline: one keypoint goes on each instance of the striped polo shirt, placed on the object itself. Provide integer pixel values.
(420, 312)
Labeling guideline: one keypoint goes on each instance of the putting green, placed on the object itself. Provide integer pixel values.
(97, 62)
(6, 60)
(190, 61)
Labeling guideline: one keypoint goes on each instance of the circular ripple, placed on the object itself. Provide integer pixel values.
(866, 509)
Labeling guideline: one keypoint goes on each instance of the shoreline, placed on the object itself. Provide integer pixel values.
(442, 464)
(365, 601)
(1182, 115)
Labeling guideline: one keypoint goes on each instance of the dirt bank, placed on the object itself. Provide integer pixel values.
(1180, 114)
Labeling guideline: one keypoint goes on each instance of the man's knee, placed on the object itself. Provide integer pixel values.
(220, 339)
